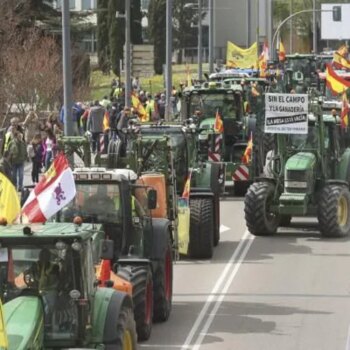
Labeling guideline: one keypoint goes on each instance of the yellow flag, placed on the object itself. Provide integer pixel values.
(9, 200)
(3, 336)
(241, 58)
(136, 103)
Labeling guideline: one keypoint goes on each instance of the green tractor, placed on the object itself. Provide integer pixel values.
(124, 209)
(171, 150)
(305, 175)
(236, 101)
(50, 292)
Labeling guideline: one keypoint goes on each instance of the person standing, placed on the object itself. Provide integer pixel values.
(161, 106)
(35, 153)
(95, 124)
(31, 125)
(49, 146)
(18, 155)
(5, 166)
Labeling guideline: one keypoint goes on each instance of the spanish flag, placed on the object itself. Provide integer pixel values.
(9, 201)
(136, 103)
(344, 115)
(340, 62)
(106, 121)
(281, 53)
(334, 82)
(218, 124)
(3, 335)
(187, 187)
(342, 51)
(263, 58)
(247, 156)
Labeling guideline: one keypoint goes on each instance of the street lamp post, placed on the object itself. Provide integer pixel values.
(127, 55)
(211, 36)
(314, 37)
(168, 77)
(67, 70)
(200, 41)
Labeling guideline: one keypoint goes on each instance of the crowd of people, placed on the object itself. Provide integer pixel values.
(35, 140)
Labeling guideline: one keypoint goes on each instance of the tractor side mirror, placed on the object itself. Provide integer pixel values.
(107, 249)
(152, 199)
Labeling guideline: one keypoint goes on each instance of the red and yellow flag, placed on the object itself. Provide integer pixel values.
(106, 121)
(187, 187)
(344, 115)
(247, 155)
(262, 61)
(218, 124)
(342, 51)
(136, 103)
(340, 62)
(281, 53)
(334, 82)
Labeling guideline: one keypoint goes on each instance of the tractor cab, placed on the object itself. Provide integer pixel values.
(47, 281)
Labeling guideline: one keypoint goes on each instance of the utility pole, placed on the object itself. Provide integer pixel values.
(211, 36)
(67, 70)
(168, 77)
(314, 37)
(269, 13)
(248, 22)
(200, 41)
(127, 55)
(291, 28)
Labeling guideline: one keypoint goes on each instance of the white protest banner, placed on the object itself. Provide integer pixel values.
(286, 113)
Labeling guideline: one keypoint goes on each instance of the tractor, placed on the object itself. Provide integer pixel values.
(127, 211)
(171, 150)
(50, 292)
(305, 175)
(235, 99)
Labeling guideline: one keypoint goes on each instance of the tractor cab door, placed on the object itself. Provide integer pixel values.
(332, 148)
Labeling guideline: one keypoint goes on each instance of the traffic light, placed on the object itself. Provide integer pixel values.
(336, 13)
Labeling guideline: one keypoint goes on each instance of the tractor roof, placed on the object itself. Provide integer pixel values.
(103, 174)
(48, 233)
(215, 87)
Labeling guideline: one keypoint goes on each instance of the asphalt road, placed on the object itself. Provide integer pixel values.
(289, 291)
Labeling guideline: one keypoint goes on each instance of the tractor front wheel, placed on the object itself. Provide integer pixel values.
(201, 228)
(334, 211)
(142, 295)
(126, 331)
(260, 220)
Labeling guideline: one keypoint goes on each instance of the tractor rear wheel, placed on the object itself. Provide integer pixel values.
(259, 218)
(126, 331)
(113, 151)
(216, 189)
(201, 228)
(163, 286)
(334, 211)
(142, 294)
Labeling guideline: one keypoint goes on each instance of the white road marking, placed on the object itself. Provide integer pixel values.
(217, 286)
(348, 340)
(216, 307)
(224, 228)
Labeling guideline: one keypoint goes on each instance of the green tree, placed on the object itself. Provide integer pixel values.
(103, 36)
(157, 25)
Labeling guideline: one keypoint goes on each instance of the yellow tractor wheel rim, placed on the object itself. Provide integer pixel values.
(127, 343)
(343, 211)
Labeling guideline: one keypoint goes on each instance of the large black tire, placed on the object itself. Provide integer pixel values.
(334, 211)
(201, 228)
(142, 295)
(216, 189)
(163, 286)
(114, 151)
(260, 221)
(126, 331)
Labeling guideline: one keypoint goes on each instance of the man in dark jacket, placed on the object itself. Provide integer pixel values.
(95, 124)
(18, 155)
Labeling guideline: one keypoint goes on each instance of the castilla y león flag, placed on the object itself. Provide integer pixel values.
(55, 189)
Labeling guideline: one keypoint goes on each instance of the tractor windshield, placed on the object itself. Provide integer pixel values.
(47, 272)
(211, 103)
(301, 142)
(94, 203)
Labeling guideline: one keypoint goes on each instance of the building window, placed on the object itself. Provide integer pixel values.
(86, 4)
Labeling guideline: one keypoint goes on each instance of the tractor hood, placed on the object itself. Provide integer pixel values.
(207, 123)
(24, 322)
(301, 161)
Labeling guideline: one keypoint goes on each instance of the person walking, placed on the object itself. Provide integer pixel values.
(49, 147)
(18, 155)
(95, 125)
(35, 153)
